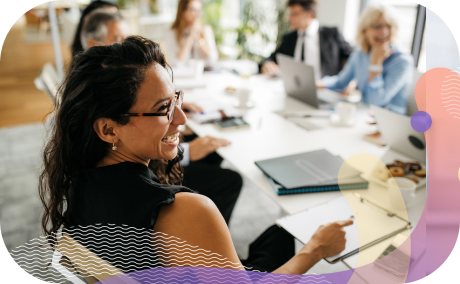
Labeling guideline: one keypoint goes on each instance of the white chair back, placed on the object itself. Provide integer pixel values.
(79, 265)
(48, 81)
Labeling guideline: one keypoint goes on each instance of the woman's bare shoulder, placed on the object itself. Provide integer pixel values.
(189, 210)
(187, 205)
(194, 218)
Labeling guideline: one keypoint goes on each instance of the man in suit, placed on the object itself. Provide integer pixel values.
(202, 171)
(323, 48)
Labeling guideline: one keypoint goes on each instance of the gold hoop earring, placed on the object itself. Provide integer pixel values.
(114, 148)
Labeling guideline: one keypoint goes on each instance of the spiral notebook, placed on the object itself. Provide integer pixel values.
(376, 223)
(355, 183)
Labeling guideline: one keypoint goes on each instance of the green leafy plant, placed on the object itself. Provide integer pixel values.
(283, 25)
(153, 5)
(212, 12)
(252, 20)
(125, 3)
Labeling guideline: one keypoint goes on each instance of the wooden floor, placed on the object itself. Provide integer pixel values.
(20, 101)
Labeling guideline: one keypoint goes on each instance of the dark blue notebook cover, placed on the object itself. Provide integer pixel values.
(323, 188)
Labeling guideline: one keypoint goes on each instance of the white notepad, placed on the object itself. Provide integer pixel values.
(376, 223)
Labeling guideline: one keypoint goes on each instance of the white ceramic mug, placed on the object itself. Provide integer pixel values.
(345, 111)
(243, 97)
(401, 192)
(197, 66)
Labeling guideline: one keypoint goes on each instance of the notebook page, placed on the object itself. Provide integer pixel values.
(374, 222)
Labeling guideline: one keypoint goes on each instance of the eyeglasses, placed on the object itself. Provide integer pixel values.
(380, 26)
(196, 11)
(295, 14)
(177, 101)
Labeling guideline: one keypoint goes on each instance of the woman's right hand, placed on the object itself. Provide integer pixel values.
(320, 84)
(350, 88)
(379, 53)
(328, 240)
(196, 29)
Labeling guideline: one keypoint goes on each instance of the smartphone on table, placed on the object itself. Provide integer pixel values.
(231, 123)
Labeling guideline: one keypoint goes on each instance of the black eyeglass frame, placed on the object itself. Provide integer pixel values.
(177, 101)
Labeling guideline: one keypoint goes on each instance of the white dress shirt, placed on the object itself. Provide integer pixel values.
(312, 52)
(186, 160)
(172, 48)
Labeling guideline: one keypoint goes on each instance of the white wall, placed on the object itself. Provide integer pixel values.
(331, 13)
(351, 20)
(343, 14)
(441, 46)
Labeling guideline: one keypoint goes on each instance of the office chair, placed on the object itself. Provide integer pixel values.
(411, 103)
(48, 81)
(81, 266)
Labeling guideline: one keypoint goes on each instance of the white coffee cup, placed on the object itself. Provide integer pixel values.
(197, 66)
(345, 111)
(401, 192)
(243, 97)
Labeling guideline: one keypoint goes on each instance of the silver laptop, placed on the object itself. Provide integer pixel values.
(397, 131)
(299, 83)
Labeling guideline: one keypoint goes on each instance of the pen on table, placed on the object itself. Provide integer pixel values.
(308, 115)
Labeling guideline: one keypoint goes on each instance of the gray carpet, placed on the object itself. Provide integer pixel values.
(20, 207)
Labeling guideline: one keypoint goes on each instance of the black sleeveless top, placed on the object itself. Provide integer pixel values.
(125, 193)
(112, 211)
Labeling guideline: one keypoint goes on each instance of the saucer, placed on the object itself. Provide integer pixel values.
(335, 120)
(248, 105)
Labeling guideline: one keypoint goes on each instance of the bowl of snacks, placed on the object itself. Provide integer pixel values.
(230, 90)
(411, 170)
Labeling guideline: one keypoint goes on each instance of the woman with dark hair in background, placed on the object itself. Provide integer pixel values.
(77, 46)
(114, 158)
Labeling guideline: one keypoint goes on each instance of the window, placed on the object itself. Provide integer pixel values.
(421, 66)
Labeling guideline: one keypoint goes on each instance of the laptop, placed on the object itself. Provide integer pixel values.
(397, 131)
(299, 82)
(314, 171)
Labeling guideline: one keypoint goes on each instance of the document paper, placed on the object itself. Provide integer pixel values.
(375, 223)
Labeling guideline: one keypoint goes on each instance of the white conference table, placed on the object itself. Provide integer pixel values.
(271, 135)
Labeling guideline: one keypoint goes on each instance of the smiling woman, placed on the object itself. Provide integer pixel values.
(377, 67)
(89, 130)
(143, 140)
(112, 160)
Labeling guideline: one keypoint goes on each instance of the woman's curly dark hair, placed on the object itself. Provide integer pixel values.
(103, 82)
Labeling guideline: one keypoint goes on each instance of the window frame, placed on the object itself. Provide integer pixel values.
(418, 33)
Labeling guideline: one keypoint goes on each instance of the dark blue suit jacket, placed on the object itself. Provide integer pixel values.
(334, 49)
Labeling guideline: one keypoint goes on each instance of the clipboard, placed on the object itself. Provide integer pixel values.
(376, 223)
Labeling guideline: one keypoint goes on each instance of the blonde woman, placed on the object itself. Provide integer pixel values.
(188, 38)
(377, 67)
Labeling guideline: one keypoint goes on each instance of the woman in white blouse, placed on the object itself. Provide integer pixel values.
(188, 38)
